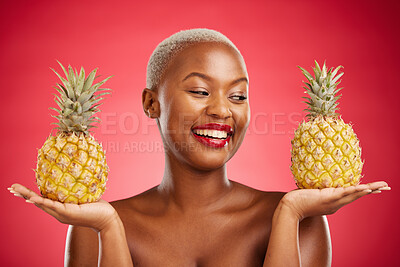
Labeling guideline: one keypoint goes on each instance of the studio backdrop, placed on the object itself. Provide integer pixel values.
(274, 37)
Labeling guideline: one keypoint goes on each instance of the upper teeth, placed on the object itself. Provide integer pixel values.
(211, 133)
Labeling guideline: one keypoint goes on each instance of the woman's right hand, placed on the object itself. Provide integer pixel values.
(314, 202)
(98, 215)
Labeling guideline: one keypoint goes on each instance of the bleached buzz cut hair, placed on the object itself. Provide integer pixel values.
(168, 48)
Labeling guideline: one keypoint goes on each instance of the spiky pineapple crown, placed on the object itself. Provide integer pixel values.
(78, 101)
(322, 90)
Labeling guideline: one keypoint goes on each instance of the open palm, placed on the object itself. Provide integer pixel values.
(95, 215)
(314, 202)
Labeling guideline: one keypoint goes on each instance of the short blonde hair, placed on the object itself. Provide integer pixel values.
(171, 46)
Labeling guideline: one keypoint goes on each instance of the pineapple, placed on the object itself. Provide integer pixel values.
(325, 150)
(71, 166)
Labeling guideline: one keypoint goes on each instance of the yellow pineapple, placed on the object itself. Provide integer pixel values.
(71, 166)
(325, 150)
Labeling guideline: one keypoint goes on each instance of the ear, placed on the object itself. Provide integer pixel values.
(150, 103)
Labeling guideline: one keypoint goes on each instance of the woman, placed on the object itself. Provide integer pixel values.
(197, 91)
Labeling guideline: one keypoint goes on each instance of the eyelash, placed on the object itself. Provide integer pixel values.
(200, 92)
(241, 97)
(204, 93)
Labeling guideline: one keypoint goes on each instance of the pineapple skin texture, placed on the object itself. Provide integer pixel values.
(325, 153)
(71, 169)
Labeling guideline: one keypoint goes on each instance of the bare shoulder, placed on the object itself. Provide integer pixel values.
(265, 201)
(82, 243)
(147, 202)
(314, 236)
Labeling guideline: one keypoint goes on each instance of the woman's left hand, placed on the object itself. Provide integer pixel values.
(314, 202)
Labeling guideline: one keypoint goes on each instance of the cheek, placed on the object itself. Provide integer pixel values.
(177, 118)
(242, 118)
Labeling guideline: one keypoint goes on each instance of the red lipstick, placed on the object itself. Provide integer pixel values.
(210, 141)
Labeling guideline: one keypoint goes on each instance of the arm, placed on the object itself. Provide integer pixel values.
(315, 242)
(99, 216)
(306, 242)
(82, 247)
(114, 250)
(285, 248)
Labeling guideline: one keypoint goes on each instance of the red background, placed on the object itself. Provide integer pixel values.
(273, 36)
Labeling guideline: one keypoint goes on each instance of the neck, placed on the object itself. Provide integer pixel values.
(192, 189)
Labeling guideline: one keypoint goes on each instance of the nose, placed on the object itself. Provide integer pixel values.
(218, 107)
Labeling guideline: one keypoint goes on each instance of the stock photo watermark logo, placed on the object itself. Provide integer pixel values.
(116, 125)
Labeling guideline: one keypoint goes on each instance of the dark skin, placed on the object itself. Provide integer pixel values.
(197, 216)
(234, 232)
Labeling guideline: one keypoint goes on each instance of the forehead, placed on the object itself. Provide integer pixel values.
(214, 59)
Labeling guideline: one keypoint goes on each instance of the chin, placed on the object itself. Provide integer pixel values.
(212, 165)
(208, 161)
(209, 166)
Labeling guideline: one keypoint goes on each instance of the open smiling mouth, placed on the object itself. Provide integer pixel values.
(213, 134)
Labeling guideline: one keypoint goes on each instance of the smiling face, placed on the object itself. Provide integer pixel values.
(204, 110)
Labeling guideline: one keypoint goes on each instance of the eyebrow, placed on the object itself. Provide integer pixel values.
(208, 78)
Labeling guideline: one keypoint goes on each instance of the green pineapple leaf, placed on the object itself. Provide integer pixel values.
(80, 82)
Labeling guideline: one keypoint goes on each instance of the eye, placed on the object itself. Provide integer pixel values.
(238, 97)
(199, 92)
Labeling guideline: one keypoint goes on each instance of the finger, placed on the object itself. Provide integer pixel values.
(376, 185)
(22, 190)
(15, 193)
(54, 208)
(354, 189)
(381, 185)
(386, 188)
(48, 203)
(12, 191)
(352, 197)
